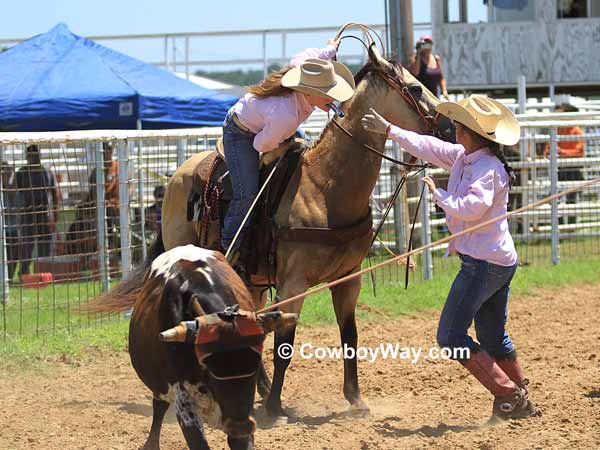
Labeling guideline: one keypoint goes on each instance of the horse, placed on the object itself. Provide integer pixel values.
(330, 188)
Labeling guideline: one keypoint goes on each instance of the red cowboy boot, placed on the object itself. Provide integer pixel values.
(511, 366)
(510, 401)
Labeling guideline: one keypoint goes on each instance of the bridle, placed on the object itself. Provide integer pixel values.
(396, 83)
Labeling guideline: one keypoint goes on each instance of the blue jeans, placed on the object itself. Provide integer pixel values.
(479, 293)
(242, 162)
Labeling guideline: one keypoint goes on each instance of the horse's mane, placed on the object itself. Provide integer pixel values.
(428, 99)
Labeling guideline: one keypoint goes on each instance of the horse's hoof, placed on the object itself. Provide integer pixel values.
(359, 409)
(279, 421)
(277, 416)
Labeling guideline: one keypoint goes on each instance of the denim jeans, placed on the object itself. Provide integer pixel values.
(479, 293)
(242, 162)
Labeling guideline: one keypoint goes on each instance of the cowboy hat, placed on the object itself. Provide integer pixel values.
(485, 116)
(327, 79)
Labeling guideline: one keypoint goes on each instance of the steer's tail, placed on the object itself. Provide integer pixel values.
(124, 295)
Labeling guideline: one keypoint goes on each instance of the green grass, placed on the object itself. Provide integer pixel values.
(392, 300)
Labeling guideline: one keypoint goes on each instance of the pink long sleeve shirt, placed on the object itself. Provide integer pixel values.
(477, 191)
(275, 119)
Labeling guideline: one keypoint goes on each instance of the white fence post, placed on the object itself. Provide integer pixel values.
(140, 189)
(522, 92)
(400, 211)
(426, 232)
(124, 200)
(554, 190)
(181, 151)
(264, 55)
(3, 253)
(101, 217)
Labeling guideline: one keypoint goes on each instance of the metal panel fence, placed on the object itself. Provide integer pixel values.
(70, 230)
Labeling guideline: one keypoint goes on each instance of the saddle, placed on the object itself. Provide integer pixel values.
(208, 202)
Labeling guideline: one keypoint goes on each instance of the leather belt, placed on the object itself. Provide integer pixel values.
(238, 123)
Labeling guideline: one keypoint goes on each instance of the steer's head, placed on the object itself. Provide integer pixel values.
(219, 324)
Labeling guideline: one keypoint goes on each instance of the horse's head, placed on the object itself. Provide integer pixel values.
(402, 99)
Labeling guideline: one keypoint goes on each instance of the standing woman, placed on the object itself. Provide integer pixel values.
(478, 186)
(269, 114)
(427, 67)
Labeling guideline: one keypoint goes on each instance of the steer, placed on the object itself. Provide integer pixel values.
(194, 341)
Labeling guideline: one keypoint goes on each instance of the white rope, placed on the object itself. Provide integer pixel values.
(249, 213)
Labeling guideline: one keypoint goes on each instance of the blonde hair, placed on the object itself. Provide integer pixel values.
(271, 86)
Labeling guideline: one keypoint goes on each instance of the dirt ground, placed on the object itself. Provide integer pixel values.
(101, 404)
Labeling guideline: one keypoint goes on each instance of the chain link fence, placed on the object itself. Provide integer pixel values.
(79, 209)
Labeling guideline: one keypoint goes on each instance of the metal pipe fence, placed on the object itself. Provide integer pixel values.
(76, 221)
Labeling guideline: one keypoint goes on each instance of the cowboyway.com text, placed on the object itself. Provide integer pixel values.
(384, 351)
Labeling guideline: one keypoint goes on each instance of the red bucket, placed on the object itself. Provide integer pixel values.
(36, 280)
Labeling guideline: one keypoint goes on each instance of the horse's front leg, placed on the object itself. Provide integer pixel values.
(284, 342)
(246, 443)
(263, 382)
(345, 297)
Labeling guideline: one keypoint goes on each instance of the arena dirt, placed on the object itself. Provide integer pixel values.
(99, 403)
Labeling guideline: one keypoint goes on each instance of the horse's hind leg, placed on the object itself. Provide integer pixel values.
(189, 422)
(159, 409)
(263, 382)
(345, 297)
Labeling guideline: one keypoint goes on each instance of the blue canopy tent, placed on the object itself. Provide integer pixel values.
(60, 81)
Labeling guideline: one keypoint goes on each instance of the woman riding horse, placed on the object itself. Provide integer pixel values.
(269, 114)
(480, 179)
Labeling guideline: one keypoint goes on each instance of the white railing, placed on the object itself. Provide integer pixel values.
(187, 50)
(147, 158)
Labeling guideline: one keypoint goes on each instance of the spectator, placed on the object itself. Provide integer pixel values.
(111, 193)
(427, 67)
(9, 203)
(38, 198)
(153, 212)
(569, 149)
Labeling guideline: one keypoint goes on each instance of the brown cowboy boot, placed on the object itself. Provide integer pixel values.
(509, 399)
(511, 366)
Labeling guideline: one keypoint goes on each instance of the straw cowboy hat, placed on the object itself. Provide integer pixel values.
(485, 116)
(328, 79)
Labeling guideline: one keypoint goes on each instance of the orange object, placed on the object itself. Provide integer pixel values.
(568, 149)
(36, 280)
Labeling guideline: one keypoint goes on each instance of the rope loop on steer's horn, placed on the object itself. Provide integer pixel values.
(187, 331)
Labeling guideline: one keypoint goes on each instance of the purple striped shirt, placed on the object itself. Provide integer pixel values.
(477, 191)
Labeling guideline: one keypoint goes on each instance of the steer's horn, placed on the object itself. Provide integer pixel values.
(276, 320)
(184, 332)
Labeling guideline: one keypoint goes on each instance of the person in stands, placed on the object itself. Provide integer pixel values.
(427, 67)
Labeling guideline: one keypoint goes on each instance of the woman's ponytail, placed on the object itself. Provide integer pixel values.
(498, 151)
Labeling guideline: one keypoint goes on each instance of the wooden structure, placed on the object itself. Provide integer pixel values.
(548, 50)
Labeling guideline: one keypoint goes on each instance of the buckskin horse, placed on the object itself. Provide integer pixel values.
(329, 191)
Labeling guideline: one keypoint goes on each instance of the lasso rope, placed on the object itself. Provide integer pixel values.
(548, 199)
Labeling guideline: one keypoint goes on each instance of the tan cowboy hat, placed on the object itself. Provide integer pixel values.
(485, 116)
(328, 79)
